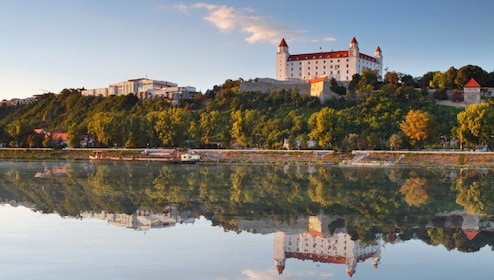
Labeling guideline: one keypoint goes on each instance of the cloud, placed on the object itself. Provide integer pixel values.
(231, 19)
(329, 39)
(181, 7)
(259, 275)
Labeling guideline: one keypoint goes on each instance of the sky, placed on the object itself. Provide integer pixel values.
(49, 45)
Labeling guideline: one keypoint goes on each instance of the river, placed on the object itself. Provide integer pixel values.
(116, 220)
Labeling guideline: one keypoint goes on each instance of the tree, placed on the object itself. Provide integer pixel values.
(106, 127)
(438, 80)
(325, 126)
(210, 126)
(395, 141)
(419, 126)
(171, 125)
(425, 80)
(19, 129)
(475, 125)
(467, 72)
(392, 78)
(449, 77)
(244, 125)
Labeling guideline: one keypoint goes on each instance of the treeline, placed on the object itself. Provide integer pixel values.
(370, 114)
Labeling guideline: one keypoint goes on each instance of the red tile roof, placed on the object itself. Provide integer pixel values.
(320, 55)
(472, 83)
(55, 136)
(470, 234)
(354, 41)
(378, 49)
(283, 43)
(316, 80)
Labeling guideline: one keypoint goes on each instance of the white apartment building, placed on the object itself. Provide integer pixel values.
(145, 88)
(341, 65)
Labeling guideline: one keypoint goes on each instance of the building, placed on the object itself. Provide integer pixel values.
(471, 92)
(341, 65)
(145, 88)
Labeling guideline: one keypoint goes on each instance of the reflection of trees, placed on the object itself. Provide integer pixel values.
(366, 201)
(414, 191)
(475, 191)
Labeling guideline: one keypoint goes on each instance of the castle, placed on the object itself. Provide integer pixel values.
(340, 65)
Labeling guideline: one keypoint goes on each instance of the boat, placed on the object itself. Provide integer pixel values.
(175, 156)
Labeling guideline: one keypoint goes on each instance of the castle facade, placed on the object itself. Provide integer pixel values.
(341, 65)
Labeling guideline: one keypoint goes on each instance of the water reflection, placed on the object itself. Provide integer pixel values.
(329, 215)
(324, 247)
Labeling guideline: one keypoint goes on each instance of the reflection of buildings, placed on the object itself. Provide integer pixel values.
(470, 224)
(142, 219)
(53, 171)
(337, 248)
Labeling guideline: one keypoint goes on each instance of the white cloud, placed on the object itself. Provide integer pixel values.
(329, 39)
(230, 19)
(259, 275)
(181, 7)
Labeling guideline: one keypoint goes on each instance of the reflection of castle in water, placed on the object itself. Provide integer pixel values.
(337, 248)
(143, 219)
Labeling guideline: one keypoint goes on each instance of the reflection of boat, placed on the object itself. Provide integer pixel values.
(175, 156)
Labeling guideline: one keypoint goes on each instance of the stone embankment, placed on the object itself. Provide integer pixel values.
(257, 156)
(399, 158)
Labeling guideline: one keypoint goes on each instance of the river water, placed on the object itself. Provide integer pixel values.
(83, 220)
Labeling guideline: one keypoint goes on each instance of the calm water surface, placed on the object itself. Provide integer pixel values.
(82, 220)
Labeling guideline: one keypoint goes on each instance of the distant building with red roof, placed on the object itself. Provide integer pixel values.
(471, 92)
(340, 65)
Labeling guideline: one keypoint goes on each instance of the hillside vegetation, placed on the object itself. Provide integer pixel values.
(370, 115)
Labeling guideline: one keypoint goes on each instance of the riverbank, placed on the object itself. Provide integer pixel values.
(325, 157)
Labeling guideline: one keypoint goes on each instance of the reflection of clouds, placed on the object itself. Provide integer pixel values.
(273, 274)
(264, 275)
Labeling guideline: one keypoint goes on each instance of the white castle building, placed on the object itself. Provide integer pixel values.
(341, 65)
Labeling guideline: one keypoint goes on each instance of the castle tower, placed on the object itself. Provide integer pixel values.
(379, 57)
(279, 251)
(354, 50)
(281, 60)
